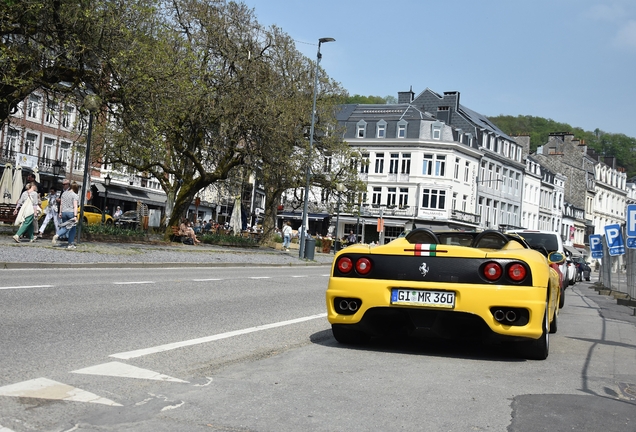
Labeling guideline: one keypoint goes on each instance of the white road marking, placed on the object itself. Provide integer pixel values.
(133, 283)
(23, 287)
(260, 277)
(4, 429)
(175, 345)
(44, 388)
(171, 407)
(118, 369)
(299, 276)
(326, 275)
(205, 280)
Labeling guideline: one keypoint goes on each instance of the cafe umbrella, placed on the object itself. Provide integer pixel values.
(17, 185)
(6, 185)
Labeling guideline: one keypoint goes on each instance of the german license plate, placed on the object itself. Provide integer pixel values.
(404, 296)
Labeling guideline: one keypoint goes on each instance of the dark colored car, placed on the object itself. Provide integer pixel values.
(129, 219)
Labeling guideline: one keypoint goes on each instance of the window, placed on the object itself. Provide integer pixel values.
(381, 129)
(65, 148)
(406, 163)
(326, 164)
(364, 164)
(362, 129)
(392, 193)
(34, 107)
(467, 172)
(49, 144)
(404, 197)
(68, 117)
(393, 163)
(434, 199)
(437, 130)
(464, 202)
(440, 166)
(427, 164)
(30, 145)
(401, 129)
(498, 177)
(456, 174)
(454, 201)
(379, 163)
(78, 160)
(12, 140)
(377, 196)
(51, 113)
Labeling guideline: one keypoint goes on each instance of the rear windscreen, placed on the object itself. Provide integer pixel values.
(536, 240)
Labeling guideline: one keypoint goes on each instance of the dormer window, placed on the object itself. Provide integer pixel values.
(437, 130)
(362, 129)
(401, 129)
(381, 129)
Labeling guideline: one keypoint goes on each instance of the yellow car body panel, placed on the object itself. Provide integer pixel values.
(92, 214)
(476, 298)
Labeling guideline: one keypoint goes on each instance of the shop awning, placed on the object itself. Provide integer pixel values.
(132, 195)
(572, 251)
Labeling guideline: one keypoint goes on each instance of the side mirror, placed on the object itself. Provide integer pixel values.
(556, 258)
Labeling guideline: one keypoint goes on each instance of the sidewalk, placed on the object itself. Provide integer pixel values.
(42, 254)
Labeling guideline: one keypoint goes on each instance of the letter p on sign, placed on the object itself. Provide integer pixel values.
(631, 220)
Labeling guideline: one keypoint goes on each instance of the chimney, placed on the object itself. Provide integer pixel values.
(452, 99)
(406, 97)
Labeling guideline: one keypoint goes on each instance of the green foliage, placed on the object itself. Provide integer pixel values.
(539, 129)
(359, 99)
(112, 230)
(228, 240)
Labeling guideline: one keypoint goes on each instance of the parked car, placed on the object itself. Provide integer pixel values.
(571, 266)
(128, 219)
(546, 242)
(93, 216)
(447, 284)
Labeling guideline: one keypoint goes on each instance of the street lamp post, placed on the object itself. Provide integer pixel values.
(91, 103)
(305, 217)
(336, 243)
(107, 180)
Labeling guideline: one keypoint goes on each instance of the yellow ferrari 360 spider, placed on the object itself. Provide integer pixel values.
(447, 284)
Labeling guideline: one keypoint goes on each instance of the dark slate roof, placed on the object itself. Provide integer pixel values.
(482, 121)
(387, 112)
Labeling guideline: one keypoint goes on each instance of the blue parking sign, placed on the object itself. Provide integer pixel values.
(596, 246)
(614, 239)
(631, 220)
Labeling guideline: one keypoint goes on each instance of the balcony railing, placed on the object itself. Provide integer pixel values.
(465, 217)
(374, 210)
(45, 165)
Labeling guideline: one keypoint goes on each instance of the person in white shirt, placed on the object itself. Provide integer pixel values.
(51, 212)
(287, 233)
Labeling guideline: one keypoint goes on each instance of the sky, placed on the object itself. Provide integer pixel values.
(572, 61)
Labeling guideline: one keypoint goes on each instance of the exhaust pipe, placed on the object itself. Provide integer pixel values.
(344, 305)
(499, 315)
(353, 305)
(511, 316)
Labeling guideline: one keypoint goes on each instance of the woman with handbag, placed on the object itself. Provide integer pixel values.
(28, 206)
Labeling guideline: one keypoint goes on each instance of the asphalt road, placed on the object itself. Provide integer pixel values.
(249, 349)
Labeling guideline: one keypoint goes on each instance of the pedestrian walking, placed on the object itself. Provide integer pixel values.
(287, 233)
(68, 213)
(26, 210)
(31, 179)
(51, 211)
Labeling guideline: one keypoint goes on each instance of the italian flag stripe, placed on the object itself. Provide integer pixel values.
(425, 249)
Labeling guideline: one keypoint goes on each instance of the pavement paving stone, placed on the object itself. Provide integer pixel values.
(143, 254)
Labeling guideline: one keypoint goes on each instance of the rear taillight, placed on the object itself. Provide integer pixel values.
(345, 265)
(363, 266)
(492, 271)
(517, 272)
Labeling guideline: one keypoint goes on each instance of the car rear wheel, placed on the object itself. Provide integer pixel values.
(346, 335)
(562, 298)
(109, 222)
(539, 349)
